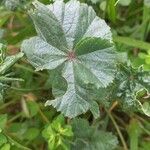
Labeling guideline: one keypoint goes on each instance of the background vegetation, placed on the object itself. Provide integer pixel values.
(25, 123)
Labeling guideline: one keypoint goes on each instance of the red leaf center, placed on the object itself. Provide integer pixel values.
(71, 55)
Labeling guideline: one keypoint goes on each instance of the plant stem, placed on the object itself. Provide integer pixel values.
(104, 127)
(30, 70)
(6, 79)
(113, 106)
(43, 116)
(26, 90)
(15, 142)
(7, 104)
(15, 117)
(118, 130)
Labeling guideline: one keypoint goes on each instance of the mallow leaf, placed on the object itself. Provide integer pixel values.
(88, 137)
(6, 63)
(146, 108)
(73, 40)
(131, 81)
(131, 88)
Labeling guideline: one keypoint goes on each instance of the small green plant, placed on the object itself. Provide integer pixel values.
(58, 134)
